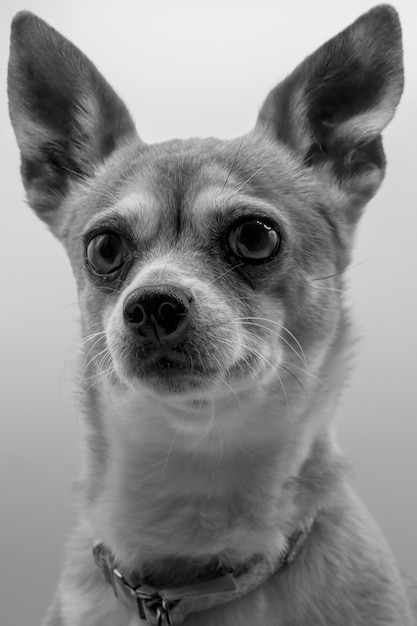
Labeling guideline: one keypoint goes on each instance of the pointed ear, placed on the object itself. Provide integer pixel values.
(67, 119)
(332, 109)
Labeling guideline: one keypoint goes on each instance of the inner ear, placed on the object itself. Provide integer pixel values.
(348, 109)
(332, 109)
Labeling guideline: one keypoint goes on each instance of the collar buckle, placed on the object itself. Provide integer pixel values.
(144, 599)
(163, 615)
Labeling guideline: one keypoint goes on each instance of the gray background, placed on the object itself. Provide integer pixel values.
(195, 68)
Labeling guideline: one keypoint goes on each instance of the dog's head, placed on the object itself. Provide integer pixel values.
(204, 264)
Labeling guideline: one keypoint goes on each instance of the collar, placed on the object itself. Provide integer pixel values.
(170, 606)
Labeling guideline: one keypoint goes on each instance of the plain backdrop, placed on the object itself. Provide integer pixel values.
(195, 68)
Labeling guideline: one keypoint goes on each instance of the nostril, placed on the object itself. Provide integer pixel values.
(169, 315)
(168, 310)
(135, 314)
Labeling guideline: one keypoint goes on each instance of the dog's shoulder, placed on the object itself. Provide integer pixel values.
(410, 583)
(53, 616)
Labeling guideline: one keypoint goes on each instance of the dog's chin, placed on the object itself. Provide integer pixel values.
(168, 376)
(173, 381)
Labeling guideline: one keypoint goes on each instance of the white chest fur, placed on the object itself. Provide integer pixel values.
(195, 478)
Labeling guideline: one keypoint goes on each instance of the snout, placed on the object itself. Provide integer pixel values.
(174, 337)
(158, 315)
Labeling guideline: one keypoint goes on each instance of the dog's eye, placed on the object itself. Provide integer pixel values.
(254, 240)
(106, 253)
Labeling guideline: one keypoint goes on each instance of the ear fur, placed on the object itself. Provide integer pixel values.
(332, 109)
(66, 117)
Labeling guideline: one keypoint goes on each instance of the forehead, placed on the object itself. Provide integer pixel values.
(166, 185)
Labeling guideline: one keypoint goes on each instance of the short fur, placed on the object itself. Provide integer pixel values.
(214, 442)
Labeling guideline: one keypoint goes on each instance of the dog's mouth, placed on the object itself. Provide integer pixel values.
(171, 371)
(184, 369)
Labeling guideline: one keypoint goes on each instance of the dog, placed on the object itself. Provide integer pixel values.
(215, 340)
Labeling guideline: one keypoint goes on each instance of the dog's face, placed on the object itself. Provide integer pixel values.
(203, 267)
(207, 266)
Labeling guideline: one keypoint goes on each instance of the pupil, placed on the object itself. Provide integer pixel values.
(109, 248)
(254, 237)
(255, 240)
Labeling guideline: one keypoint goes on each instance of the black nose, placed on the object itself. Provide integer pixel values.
(157, 313)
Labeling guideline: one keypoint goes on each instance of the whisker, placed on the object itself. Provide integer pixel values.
(100, 333)
(94, 358)
(223, 373)
(236, 191)
(307, 372)
(347, 269)
(211, 425)
(233, 164)
(67, 306)
(106, 357)
(79, 175)
(92, 377)
(249, 323)
(90, 350)
(265, 319)
(330, 289)
(224, 273)
(263, 358)
(171, 447)
(296, 378)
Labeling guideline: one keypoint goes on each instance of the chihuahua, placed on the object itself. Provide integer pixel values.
(215, 340)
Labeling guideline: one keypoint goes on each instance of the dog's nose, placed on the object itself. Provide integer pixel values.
(157, 313)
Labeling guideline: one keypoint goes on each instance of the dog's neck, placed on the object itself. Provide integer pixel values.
(170, 479)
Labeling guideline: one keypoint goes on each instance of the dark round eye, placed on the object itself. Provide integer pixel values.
(106, 253)
(254, 240)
